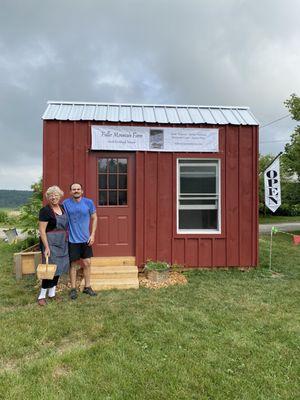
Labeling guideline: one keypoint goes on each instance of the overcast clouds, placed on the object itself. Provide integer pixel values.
(206, 52)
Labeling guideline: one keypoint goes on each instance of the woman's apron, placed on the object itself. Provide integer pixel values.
(58, 244)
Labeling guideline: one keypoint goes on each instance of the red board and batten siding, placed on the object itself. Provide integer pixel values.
(66, 159)
(156, 199)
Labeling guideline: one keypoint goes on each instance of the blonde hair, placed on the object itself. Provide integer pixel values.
(54, 189)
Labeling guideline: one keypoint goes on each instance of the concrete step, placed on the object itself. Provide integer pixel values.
(112, 261)
(108, 284)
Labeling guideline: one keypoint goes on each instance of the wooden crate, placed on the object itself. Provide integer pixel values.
(26, 263)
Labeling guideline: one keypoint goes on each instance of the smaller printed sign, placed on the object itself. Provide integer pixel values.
(272, 186)
(142, 138)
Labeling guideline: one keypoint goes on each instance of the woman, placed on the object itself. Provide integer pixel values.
(53, 226)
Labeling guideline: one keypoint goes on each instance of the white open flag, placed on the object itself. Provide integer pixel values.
(272, 185)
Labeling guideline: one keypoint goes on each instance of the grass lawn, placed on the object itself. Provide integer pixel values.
(277, 219)
(225, 335)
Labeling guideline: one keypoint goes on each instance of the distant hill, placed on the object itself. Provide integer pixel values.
(14, 198)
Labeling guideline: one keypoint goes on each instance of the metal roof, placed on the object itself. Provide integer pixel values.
(153, 113)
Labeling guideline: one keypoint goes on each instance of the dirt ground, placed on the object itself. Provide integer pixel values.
(175, 278)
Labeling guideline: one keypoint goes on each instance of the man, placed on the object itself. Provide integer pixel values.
(81, 211)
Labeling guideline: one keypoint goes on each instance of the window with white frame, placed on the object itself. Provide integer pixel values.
(198, 196)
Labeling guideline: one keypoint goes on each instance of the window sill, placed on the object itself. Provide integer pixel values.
(198, 232)
(209, 234)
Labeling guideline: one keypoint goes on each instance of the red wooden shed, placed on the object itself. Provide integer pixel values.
(170, 183)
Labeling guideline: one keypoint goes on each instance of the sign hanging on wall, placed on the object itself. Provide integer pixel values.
(141, 138)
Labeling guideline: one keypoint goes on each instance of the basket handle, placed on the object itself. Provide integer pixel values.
(47, 261)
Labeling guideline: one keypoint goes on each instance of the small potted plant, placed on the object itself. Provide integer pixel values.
(157, 271)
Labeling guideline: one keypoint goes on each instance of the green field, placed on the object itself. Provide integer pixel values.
(11, 212)
(9, 218)
(224, 335)
(14, 198)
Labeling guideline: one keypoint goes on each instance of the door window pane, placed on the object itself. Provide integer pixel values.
(112, 194)
(113, 181)
(102, 181)
(122, 165)
(122, 181)
(102, 165)
(112, 165)
(122, 198)
(102, 198)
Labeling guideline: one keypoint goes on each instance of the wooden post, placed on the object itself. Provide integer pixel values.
(18, 265)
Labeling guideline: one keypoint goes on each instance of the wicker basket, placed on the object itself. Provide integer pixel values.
(46, 271)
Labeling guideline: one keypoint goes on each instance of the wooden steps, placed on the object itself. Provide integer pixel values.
(113, 273)
(105, 261)
(108, 284)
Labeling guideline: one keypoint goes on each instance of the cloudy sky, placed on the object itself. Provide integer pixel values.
(203, 52)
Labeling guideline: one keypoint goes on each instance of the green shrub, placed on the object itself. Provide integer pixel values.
(29, 215)
(289, 210)
(25, 244)
(285, 209)
(157, 265)
(3, 217)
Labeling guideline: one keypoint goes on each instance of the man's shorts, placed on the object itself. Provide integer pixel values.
(79, 250)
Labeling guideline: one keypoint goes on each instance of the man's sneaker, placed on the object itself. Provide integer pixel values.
(73, 294)
(89, 291)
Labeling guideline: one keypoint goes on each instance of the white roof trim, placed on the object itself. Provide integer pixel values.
(142, 104)
(235, 115)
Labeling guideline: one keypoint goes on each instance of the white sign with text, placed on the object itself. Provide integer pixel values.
(140, 138)
(272, 186)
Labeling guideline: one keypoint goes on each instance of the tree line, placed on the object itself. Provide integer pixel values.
(14, 198)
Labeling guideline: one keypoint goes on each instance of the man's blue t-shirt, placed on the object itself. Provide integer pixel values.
(79, 214)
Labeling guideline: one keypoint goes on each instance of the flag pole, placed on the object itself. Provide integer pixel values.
(271, 162)
(271, 242)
